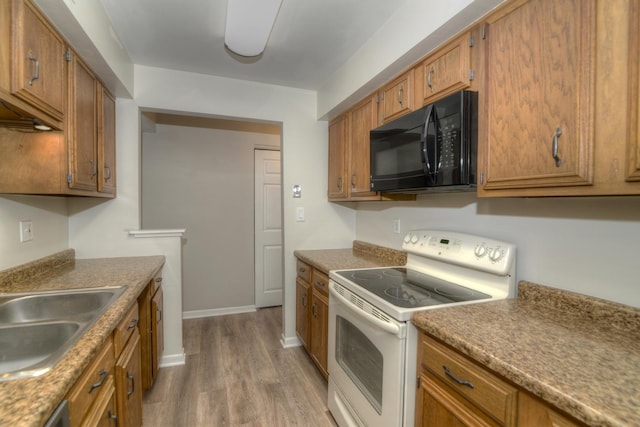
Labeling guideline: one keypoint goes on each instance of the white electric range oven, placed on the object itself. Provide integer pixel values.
(372, 346)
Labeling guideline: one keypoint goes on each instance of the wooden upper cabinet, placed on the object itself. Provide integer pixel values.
(362, 120)
(81, 127)
(633, 149)
(106, 141)
(396, 98)
(538, 108)
(38, 68)
(445, 71)
(337, 185)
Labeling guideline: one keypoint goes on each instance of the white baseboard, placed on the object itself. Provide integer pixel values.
(196, 314)
(288, 342)
(173, 359)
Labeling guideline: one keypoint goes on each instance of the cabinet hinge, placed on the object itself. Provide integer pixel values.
(471, 74)
(484, 33)
(377, 99)
(471, 41)
(68, 55)
(69, 178)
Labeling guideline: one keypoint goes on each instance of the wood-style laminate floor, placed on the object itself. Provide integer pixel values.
(238, 374)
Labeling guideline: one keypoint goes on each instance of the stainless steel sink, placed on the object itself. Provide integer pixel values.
(54, 305)
(36, 330)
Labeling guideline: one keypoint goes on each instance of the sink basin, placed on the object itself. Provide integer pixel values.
(37, 330)
(28, 349)
(54, 305)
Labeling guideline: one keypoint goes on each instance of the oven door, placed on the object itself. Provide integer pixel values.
(366, 352)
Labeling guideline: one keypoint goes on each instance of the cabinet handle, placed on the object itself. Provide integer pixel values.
(303, 301)
(158, 279)
(456, 379)
(429, 77)
(320, 283)
(103, 376)
(133, 324)
(133, 384)
(302, 269)
(107, 173)
(353, 181)
(400, 95)
(314, 310)
(554, 146)
(36, 76)
(114, 418)
(339, 183)
(94, 168)
(158, 316)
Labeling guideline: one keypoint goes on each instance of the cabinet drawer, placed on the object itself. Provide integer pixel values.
(91, 382)
(490, 394)
(320, 281)
(303, 270)
(126, 327)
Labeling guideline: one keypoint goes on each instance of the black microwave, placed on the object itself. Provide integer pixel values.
(431, 149)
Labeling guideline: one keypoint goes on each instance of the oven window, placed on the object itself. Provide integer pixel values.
(361, 361)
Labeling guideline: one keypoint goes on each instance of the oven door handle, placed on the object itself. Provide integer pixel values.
(391, 328)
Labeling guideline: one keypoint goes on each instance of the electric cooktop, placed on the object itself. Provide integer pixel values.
(408, 288)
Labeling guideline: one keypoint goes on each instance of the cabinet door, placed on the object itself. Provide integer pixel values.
(319, 330)
(633, 150)
(81, 127)
(446, 71)
(439, 406)
(129, 384)
(157, 332)
(39, 65)
(303, 311)
(362, 120)
(106, 141)
(337, 187)
(539, 102)
(396, 98)
(103, 413)
(533, 412)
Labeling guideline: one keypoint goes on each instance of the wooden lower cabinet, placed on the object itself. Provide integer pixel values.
(319, 330)
(83, 397)
(312, 313)
(151, 328)
(455, 391)
(105, 413)
(129, 384)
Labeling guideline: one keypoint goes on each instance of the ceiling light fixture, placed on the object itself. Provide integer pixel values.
(249, 23)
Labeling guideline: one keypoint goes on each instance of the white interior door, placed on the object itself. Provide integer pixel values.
(268, 229)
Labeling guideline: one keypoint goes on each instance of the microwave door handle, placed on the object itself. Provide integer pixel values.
(426, 161)
(425, 155)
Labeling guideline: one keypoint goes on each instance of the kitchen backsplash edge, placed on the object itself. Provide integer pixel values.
(29, 270)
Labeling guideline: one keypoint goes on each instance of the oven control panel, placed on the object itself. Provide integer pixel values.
(468, 250)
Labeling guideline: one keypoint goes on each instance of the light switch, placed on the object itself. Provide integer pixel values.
(299, 214)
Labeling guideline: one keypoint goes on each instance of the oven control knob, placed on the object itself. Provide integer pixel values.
(407, 238)
(497, 254)
(480, 251)
(414, 239)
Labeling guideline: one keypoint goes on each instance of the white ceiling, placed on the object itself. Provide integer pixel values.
(310, 40)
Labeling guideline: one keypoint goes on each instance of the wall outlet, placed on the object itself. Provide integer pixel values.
(396, 226)
(26, 230)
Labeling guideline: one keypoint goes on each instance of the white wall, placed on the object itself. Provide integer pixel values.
(101, 229)
(201, 178)
(585, 245)
(304, 153)
(49, 216)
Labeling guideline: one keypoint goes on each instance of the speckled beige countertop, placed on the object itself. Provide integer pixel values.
(31, 401)
(578, 353)
(361, 255)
